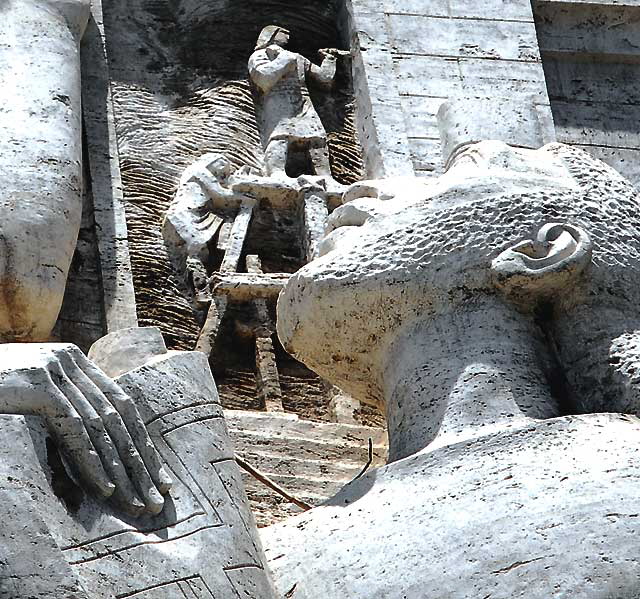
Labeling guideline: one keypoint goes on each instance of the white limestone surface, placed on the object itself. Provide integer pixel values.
(40, 164)
(203, 543)
(477, 312)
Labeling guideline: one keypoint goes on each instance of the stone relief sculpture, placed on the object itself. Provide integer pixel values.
(491, 312)
(72, 437)
(288, 121)
(477, 312)
(43, 206)
(194, 217)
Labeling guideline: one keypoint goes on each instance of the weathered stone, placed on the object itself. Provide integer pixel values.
(41, 164)
(478, 308)
(204, 540)
(106, 191)
(127, 349)
(404, 312)
(472, 518)
(288, 119)
(463, 121)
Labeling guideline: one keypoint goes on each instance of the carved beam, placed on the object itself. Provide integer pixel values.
(267, 378)
(246, 286)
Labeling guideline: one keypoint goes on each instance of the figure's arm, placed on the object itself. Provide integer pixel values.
(213, 188)
(265, 72)
(326, 72)
(96, 425)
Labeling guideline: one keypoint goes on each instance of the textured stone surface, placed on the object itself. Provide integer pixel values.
(590, 55)
(118, 296)
(411, 57)
(82, 317)
(183, 91)
(549, 510)
(127, 349)
(469, 120)
(491, 492)
(31, 563)
(311, 460)
(40, 169)
(344, 336)
(204, 540)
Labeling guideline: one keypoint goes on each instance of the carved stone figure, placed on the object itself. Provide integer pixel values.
(288, 121)
(40, 160)
(41, 175)
(172, 524)
(478, 311)
(202, 544)
(492, 312)
(194, 217)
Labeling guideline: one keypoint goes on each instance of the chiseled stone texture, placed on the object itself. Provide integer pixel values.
(204, 543)
(492, 491)
(311, 460)
(182, 92)
(590, 52)
(432, 252)
(411, 56)
(550, 510)
(31, 564)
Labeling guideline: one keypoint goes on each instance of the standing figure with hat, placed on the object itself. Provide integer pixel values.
(287, 118)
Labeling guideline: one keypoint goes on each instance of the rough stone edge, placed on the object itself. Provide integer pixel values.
(106, 183)
(380, 120)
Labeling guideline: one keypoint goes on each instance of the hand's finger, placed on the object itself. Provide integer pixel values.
(67, 427)
(104, 425)
(141, 459)
(359, 190)
(131, 417)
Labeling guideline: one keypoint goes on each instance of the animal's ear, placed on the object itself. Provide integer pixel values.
(542, 267)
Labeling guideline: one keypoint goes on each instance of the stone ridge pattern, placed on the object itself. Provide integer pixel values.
(180, 89)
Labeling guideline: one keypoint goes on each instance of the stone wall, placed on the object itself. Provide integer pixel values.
(438, 50)
(591, 57)
(82, 319)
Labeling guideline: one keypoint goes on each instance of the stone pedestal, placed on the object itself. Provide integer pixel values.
(204, 543)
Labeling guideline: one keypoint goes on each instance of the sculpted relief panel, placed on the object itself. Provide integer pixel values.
(491, 312)
(115, 488)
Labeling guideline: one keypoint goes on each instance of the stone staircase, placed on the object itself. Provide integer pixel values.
(310, 460)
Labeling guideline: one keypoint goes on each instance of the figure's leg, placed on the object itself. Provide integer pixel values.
(41, 149)
(320, 160)
(275, 156)
(197, 275)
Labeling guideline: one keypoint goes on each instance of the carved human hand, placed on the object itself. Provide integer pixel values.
(95, 424)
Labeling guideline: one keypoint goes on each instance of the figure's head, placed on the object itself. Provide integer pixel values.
(431, 251)
(272, 34)
(219, 166)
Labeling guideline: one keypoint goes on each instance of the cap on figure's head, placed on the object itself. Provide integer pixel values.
(270, 34)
